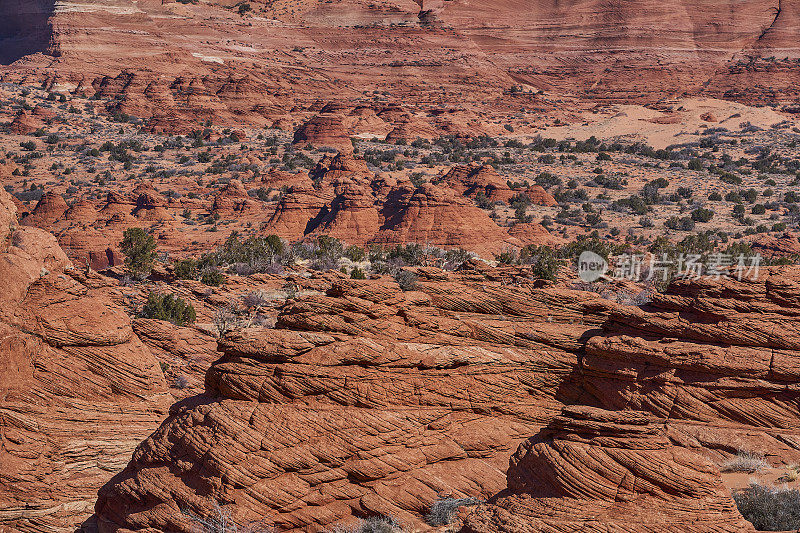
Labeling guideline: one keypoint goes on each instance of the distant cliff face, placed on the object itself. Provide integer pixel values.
(210, 60)
(623, 49)
(24, 28)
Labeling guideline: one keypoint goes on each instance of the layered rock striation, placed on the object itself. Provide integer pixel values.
(596, 470)
(363, 401)
(79, 389)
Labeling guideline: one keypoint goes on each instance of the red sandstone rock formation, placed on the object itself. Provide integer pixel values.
(25, 123)
(344, 167)
(298, 213)
(363, 121)
(470, 180)
(534, 234)
(79, 389)
(737, 338)
(8, 216)
(150, 205)
(117, 210)
(596, 470)
(277, 179)
(365, 400)
(50, 208)
(232, 199)
(539, 196)
(325, 129)
(771, 246)
(186, 352)
(81, 211)
(353, 216)
(172, 66)
(88, 246)
(410, 128)
(455, 371)
(436, 216)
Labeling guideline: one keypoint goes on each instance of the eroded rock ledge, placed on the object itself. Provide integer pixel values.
(370, 400)
(597, 470)
(78, 390)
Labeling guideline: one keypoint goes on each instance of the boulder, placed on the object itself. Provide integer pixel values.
(597, 471)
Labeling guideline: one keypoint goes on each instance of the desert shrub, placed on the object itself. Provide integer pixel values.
(329, 247)
(659, 183)
(769, 508)
(751, 195)
(635, 203)
(212, 277)
(221, 520)
(731, 178)
(734, 197)
(443, 509)
(357, 273)
(758, 209)
(181, 382)
(255, 299)
(186, 269)
(521, 214)
(410, 254)
(715, 196)
(792, 473)
(507, 257)
(373, 524)
(257, 252)
(593, 219)
(355, 253)
(696, 164)
(543, 260)
(482, 201)
(139, 249)
(323, 264)
(590, 243)
(744, 461)
(609, 182)
(407, 280)
(225, 319)
(702, 215)
(455, 258)
(545, 179)
(682, 223)
(168, 307)
(650, 193)
(685, 192)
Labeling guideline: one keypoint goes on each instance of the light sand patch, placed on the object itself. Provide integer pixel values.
(681, 121)
(63, 6)
(208, 59)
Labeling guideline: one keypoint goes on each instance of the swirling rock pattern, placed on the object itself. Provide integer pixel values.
(718, 359)
(369, 400)
(78, 392)
(593, 470)
(365, 400)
